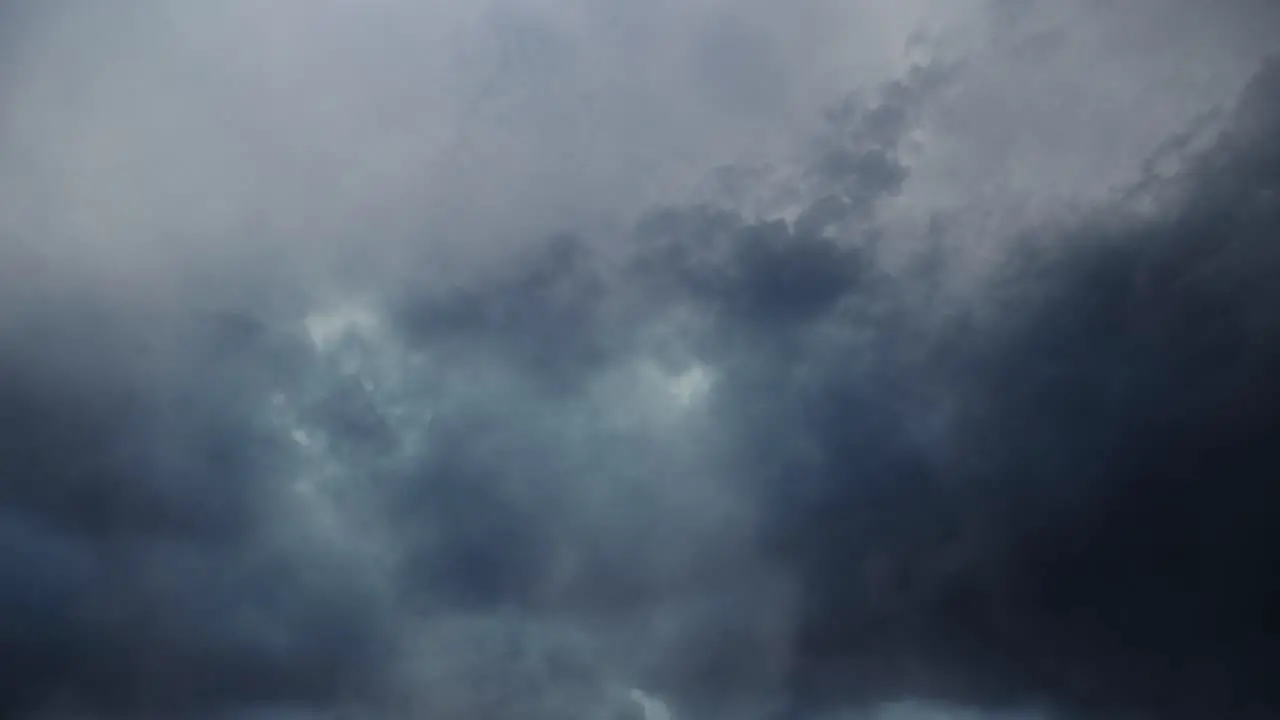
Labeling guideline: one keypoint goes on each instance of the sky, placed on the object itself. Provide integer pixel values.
(714, 359)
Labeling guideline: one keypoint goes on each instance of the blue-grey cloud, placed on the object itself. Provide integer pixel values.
(789, 455)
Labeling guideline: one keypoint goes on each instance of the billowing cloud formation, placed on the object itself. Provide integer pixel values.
(787, 452)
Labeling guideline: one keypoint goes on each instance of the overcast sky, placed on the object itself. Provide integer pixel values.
(723, 359)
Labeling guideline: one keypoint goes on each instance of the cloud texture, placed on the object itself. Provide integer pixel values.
(588, 360)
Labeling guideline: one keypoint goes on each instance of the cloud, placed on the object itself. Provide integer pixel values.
(336, 379)
(132, 575)
(1092, 530)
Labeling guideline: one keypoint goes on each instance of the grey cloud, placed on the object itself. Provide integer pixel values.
(137, 578)
(1114, 423)
(962, 568)
(735, 459)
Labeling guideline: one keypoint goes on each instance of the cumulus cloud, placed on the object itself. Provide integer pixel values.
(676, 360)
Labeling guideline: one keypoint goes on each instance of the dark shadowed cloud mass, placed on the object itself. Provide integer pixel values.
(591, 359)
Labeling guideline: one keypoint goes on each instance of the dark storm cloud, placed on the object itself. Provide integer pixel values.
(147, 568)
(1059, 498)
(741, 463)
(134, 578)
(1097, 535)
